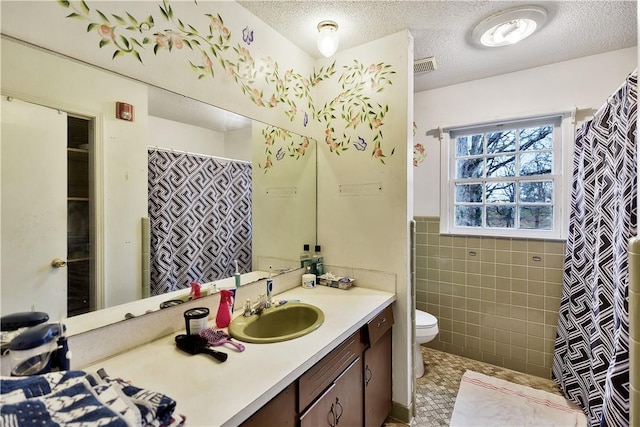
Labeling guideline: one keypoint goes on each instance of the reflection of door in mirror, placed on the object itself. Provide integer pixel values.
(45, 205)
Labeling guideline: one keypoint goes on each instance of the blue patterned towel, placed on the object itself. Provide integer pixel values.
(81, 398)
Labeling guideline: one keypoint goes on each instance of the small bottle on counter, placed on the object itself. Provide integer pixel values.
(305, 257)
(223, 317)
(317, 261)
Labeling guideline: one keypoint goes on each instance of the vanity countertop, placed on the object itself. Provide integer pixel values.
(210, 393)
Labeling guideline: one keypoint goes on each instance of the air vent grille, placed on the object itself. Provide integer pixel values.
(424, 65)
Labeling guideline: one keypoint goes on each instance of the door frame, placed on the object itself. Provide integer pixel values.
(97, 159)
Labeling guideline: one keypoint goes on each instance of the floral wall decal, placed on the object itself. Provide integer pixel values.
(351, 118)
(419, 152)
(356, 109)
(283, 143)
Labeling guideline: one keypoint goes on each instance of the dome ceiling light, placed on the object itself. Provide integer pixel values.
(328, 39)
(509, 26)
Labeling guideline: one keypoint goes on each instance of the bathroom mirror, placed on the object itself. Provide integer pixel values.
(282, 198)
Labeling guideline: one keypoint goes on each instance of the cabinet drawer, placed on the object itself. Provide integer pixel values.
(380, 324)
(313, 382)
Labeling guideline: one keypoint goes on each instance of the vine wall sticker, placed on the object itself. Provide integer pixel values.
(351, 118)
(283, 143)
(419, 153)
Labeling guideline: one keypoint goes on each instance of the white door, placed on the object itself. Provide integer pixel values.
(33, 208)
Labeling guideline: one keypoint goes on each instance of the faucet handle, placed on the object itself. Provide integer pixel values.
(247, 308)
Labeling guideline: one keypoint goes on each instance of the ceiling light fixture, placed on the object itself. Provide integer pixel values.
(328, 39)
(509, 26)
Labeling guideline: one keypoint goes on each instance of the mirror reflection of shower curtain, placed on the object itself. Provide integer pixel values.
(591, 359)
(200, 219)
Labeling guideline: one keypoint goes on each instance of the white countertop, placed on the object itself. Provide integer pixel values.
(210, 393)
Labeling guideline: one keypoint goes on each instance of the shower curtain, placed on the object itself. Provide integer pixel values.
(200, 219)
(591, 359)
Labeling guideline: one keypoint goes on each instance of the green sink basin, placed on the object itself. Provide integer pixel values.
(286, 322)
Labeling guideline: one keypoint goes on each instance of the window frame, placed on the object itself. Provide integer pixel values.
(562, 143)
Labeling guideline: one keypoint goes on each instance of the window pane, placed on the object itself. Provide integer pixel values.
(470, 168)
(504, 177)
(536, 217)
(501, 192)
(536, 191)
(469, 145)
(468, 193)
(501, 166)
(501, 216)
(537, 138)
(501, 142)
(468, 216)
(535, 163)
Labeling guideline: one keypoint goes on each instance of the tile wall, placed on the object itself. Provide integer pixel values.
(496, 299)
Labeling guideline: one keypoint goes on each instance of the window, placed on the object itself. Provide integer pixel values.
(504, 179)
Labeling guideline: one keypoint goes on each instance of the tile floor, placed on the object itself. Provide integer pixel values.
(436, 390)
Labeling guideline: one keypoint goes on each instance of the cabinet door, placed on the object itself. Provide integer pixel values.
(280, 411)
(377, 381)
(341, 404)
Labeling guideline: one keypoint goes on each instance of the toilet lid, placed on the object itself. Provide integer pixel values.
(425, 320)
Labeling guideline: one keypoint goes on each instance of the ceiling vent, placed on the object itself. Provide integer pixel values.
(424, 65)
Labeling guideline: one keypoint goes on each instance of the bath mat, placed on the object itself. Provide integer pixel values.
(487, 401)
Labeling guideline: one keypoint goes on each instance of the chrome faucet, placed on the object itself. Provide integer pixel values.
(257, 308)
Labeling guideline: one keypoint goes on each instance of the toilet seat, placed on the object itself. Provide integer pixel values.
(425, 320)
(426, 330)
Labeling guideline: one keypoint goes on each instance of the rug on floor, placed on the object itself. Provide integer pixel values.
(487, 401)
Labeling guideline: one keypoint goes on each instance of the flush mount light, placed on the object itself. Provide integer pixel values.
(509, 26)
(328, 39)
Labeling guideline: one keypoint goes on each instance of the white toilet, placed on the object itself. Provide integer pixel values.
(426, 330)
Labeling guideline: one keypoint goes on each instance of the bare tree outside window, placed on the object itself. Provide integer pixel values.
(499, 178)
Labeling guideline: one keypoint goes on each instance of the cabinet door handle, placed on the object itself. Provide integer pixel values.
(381, 322)
(332, 421)
(338, 405)
(368, 375)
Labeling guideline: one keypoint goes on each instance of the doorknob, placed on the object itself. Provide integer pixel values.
(58, 263)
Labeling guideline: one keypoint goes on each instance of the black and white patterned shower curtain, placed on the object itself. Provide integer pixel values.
(200, 219)
(591, 360)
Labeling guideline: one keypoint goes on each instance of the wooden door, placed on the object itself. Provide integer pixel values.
(33, 208)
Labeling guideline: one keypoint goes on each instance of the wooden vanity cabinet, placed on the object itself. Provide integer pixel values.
(377, 369)
(280, 411)
(330, 393)
(351, 386)
(324, 373)
(340, 404)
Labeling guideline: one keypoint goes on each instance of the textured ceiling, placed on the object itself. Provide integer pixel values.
(442, 29)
